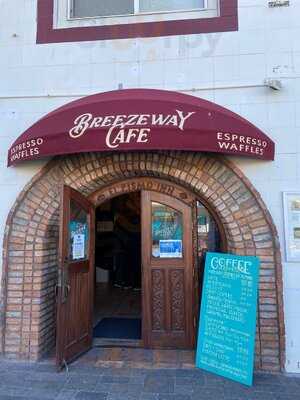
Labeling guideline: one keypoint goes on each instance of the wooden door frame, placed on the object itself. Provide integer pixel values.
(178, 192)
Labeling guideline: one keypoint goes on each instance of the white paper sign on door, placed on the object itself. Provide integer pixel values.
(78, 246)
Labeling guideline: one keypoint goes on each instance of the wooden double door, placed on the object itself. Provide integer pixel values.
(168, 289)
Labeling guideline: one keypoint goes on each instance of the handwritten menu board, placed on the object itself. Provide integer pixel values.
(227, 324)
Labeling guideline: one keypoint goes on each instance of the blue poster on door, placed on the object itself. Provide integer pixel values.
(227, 325)
(170, 248)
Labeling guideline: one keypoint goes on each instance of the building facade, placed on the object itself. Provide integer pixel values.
(241, 55)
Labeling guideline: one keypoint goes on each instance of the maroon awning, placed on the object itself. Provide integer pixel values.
(141, 119)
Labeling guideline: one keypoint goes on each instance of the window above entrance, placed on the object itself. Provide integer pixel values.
(82, 13)
(119, 19)
(96, 8)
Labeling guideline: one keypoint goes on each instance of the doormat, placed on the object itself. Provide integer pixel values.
(119, 328)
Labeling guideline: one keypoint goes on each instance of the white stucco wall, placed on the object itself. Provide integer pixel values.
(35, 79)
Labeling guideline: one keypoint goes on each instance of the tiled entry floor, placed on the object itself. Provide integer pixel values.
(137, 358)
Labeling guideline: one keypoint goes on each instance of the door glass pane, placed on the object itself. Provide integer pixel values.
(78, 233)
(167, 231)
(100, 8)
(209, 238)
(169, 5)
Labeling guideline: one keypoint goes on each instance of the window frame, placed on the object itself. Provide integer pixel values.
(47, 32)
(137, 12)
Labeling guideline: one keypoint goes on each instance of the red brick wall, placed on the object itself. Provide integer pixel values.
(30, 246)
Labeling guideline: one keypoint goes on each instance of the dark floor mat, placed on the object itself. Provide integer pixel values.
(119, 328)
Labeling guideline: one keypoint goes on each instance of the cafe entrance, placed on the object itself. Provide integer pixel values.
(134, 257)
(143, 140)
(117, 318)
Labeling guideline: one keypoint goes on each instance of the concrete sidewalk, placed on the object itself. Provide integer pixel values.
(20, 381)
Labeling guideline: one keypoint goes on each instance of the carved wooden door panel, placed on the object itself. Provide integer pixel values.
(167, 258)
(76, 273)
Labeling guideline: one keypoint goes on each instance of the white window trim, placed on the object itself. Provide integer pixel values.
(63, 19)
(136, 6)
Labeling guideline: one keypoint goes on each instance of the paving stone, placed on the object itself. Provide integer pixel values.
(20, 383)
(117, 372)
(139, 380)
(127, 388)
(122, 396)
(174, 397)
(186, 381)
(115, 379)
(156, 384)
(162, 372)
(46, 376)
(139, 372)
(253, 395)
(182, 389)
(287, 397)
(41, 385)
(234, 397)
(284, 389)
(214, 380)
(44, 393)
(5, 397)
(83, 369)
(237, 389)
(189, 373)
(82, 382)
(90, 396)
(263, 379)
(66, 394)
(12, 379)
(13, 391)
(32, 393)
(45, 367)
(29, 392)
(103, 387)
(148, 396)
(201, 392)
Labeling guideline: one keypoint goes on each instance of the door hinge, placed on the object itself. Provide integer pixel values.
(195, 322)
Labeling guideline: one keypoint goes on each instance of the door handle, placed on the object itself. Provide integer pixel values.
(67, 289)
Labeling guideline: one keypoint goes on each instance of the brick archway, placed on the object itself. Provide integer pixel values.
(27, 307)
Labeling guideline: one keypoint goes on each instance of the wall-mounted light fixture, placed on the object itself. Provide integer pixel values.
(274, 84)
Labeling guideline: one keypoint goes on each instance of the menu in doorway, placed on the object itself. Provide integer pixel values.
(227, 325)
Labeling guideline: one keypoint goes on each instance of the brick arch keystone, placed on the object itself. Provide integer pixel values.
(27, 302)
